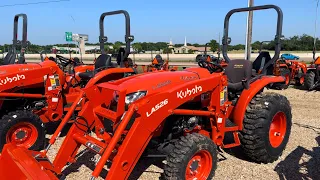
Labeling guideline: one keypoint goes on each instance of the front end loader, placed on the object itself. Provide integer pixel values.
(190, 112)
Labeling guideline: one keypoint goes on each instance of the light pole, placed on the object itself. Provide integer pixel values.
(315, 32)
(249, 31)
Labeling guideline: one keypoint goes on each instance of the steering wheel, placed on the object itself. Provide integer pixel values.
(64, 62)
(212, 67)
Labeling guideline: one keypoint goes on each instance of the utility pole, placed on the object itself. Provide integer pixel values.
(315, 31)
(249, 31)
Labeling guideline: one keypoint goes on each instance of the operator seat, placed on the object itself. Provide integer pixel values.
(239, 73)
(103, 61)
(262, 63)
(9, 58)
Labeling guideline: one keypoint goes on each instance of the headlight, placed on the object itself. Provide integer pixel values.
(130, 98)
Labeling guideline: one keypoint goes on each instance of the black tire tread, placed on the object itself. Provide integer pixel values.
(180, 152)
(309, 79)
(253, 134)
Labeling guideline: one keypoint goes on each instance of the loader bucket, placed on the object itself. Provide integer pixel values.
(18, 163)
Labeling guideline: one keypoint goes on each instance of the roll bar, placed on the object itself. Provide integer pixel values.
(24, 42)
(255, 8)
(128, 37)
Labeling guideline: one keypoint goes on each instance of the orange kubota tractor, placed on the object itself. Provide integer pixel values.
(292, 70)
(312, 79)
(36, 93)
(188, 112)
(158, 64)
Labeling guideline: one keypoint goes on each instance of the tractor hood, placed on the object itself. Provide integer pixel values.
(160, 81)
(15, 68)
(22, 75)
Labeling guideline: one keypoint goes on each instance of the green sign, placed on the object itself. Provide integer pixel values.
(68, 36)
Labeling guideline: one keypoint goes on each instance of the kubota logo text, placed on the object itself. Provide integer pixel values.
(157, 107)
(188, 92)
(11, 79)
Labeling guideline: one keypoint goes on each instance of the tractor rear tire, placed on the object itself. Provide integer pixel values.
(309, 79)
(266, 127)
(22, 128)
(193, 156)
(287, 74)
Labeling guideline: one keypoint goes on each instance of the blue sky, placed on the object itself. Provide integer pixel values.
(154, 21)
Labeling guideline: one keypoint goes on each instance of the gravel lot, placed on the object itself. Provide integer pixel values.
(300, 160)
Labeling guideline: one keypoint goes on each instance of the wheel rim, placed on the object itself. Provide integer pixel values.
(278, 129)
(199, 166)
(23, 134)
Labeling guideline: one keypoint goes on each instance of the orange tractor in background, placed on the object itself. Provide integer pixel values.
(312, 79)
(292, 70)
(158, 64)
(37, 93)
(185, 115)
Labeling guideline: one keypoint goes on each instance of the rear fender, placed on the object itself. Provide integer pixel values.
(246, 96)
(152, 112)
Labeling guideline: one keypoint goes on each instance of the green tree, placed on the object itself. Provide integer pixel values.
(137, 47)
(214, 45)
(256, 45)
(117, 45)
(167, 50)
(190, 51)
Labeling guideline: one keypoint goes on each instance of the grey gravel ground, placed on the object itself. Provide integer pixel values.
(300, 160)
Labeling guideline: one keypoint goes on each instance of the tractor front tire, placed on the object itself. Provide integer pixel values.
(309, 79)
(266, 127)
(284, 85)
(22, 128)
(193, 157)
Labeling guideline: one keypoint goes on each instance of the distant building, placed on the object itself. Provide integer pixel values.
(187, 49)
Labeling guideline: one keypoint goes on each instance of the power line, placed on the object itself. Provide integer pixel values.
(32, 3)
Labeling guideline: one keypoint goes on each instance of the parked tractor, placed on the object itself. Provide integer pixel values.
(188, 112)
(37, 93)
(312, 79)
(158, 64)
(292, 70)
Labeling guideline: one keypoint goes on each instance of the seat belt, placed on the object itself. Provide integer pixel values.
(263, 61)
